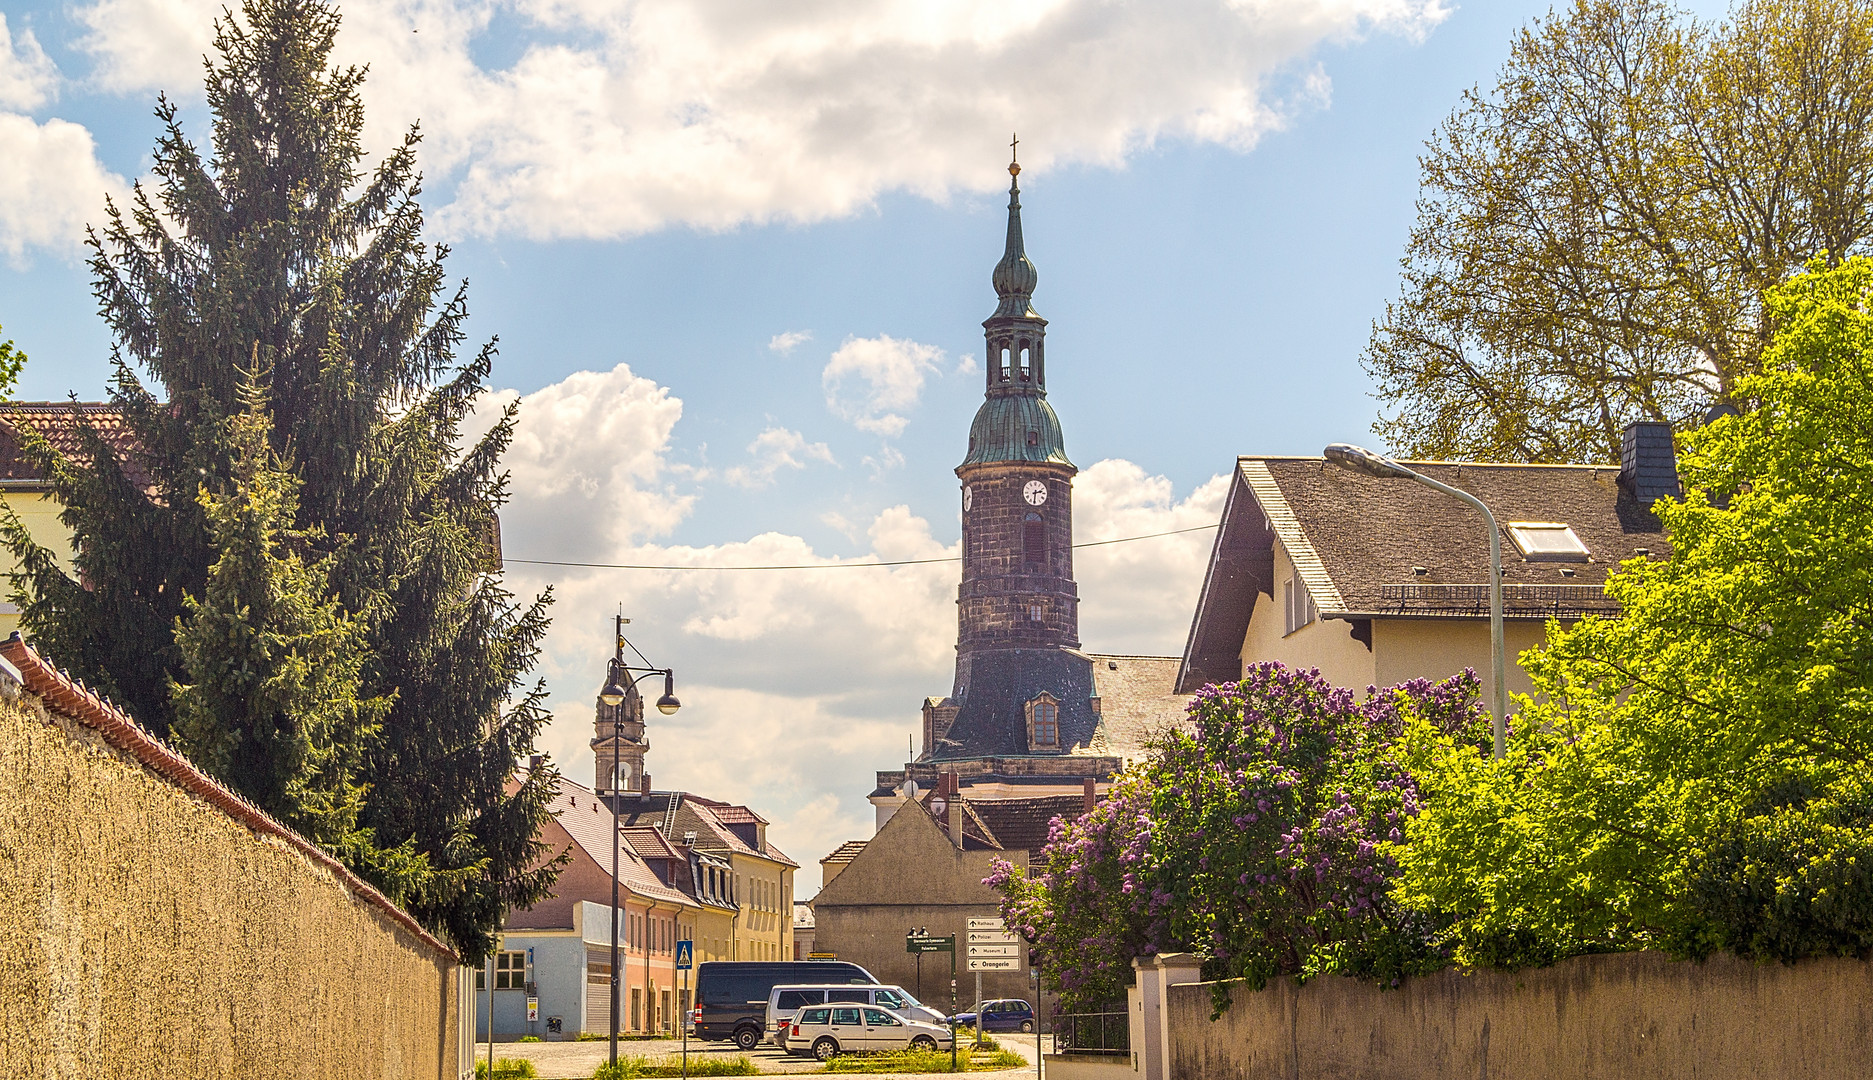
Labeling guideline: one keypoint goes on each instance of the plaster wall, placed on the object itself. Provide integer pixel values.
(1327, 644)
(1588, 1018)
(910, 875)
(1438, 648)
(39, 512)
(149, 933)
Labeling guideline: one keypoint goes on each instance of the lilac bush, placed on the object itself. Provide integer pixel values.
(1262, 838)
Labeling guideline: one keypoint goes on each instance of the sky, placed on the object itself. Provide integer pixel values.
(737, 255)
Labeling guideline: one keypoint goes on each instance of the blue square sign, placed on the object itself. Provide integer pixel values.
(685, 955)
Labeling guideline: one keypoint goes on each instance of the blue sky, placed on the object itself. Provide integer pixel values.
(790, 257)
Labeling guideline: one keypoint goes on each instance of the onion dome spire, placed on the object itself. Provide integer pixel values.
(1015, 277)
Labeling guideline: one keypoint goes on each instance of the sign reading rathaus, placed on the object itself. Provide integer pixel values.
(1030, 714)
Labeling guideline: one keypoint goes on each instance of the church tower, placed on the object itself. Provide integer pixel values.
(619, 763)
(1017, 483)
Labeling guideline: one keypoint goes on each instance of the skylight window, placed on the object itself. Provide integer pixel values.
(1547, 541)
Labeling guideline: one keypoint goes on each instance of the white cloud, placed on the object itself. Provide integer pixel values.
(787, 342)
(614, 117)
(869, 381)
(796, 685)
(28, 78)
(773, 450)
(51, 185)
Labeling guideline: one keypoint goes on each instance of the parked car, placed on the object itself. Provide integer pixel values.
(826, 1031)
(1004, 1015)
(731, 995)
(785, 1000)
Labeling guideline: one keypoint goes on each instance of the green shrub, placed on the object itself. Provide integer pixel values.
(506, 1069)
(636, 1066)
(528, 1038)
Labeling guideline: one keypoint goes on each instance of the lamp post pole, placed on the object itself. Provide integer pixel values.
(1360, 460)
(613, 695)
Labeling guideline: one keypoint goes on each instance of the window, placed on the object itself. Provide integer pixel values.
(1034, 613)
(845, 1016)
(888, 999)
(1547, 541)
(637, 1008)
(798, 999)
(1043, 723)
(856, 994)
(510, 972)
(815, 1016)
(1034, 539)
(1297, 605)
(880, 1018)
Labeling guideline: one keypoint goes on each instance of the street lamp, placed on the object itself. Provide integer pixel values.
(618, 676)
(1361, 460)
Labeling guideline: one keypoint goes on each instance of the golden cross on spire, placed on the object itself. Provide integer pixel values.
(1014, 156)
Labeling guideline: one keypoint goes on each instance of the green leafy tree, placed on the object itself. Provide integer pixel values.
(1694, 774)
(279, 252)
(11, 361)
(1596, 231)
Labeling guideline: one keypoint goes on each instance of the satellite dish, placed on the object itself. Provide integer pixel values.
(909, 790)
(938, 805)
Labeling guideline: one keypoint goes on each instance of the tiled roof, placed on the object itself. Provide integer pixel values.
(69, 698)
(649, 843)
(1138, 699)
(1024, 823)
(1358, 541)
(587, 819)
(736, 815)
(845, 852)
(61, 423)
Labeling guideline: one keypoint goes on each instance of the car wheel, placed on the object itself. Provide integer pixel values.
(826, 1049)
(747, 1038)
(1027, 1027)
(923, 1042)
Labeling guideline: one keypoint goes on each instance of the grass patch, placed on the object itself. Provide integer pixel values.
(528, 1038)
(506, 1069)
(600, 1036)
(631, 1068)
(923, 1061)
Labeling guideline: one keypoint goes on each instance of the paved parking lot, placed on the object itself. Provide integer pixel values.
(577, 1060)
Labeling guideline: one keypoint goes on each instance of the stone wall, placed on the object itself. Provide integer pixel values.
(1592, 1017)
(157, 926)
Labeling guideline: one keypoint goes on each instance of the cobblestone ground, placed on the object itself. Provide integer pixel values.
(577, 1060)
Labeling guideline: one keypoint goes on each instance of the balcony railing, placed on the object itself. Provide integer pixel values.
(1092, 1033)
(1557, 601)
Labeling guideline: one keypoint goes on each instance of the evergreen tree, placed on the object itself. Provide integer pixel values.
(277, 253)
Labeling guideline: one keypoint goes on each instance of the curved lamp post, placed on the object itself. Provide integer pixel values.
(617, 677)
(1361, 460)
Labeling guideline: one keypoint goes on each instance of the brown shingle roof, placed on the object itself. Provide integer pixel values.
(61, 423)
(587, 819)
(1357, 542)
(649, 843)
(845, 852)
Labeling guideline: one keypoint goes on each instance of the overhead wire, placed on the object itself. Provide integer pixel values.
(832, 565)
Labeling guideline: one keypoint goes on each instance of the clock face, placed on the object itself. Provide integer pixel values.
(969, 498)
(1035, 492)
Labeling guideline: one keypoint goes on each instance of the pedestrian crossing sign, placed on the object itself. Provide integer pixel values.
(684, 955)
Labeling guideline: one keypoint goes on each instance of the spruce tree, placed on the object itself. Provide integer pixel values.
(277, 253)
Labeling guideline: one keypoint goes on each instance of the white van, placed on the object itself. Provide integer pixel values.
(786, 999)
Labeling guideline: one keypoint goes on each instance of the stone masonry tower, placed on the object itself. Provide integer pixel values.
(627, 765)
(1017, 484)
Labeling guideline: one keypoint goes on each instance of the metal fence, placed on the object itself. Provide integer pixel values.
(1093, 1033)
(1558, 601)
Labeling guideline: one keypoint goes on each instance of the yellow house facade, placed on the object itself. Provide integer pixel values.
(1379, 581)
(23, 487)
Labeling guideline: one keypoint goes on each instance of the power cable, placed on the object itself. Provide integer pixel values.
(832, 566)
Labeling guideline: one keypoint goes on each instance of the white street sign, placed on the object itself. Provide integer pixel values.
(994, 950)
(992, 937)
(987, 924)
(994, 963)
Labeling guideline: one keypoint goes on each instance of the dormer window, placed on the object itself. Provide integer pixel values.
(1044, 723)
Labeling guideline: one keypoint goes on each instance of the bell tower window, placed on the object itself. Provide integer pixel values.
(1034, 540)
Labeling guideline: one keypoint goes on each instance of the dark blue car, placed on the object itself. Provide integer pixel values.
(1005, 1015)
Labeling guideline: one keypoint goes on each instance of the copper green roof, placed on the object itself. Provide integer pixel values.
(1016, 427)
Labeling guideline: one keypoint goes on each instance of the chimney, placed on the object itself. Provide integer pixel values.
(953, 803)
(1090, 795)
(645, 782)
(533, 763)
(1648, 466)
